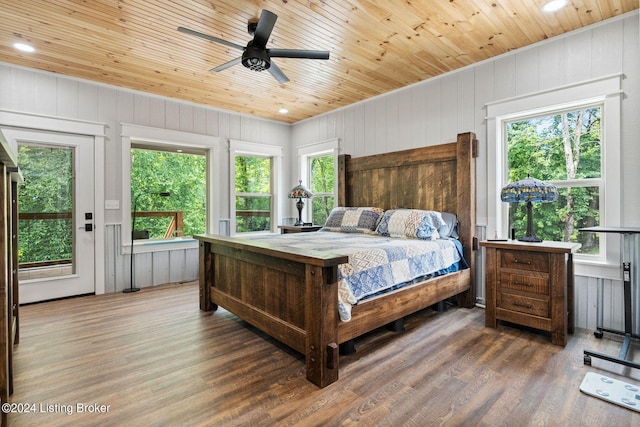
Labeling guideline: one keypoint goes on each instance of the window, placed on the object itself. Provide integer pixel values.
(255, 183)
(253, 193)
(565, 149)
(525, 135)
(180, 163)
(179, 172)
(318, 168)
(46, 206)
(322, 186)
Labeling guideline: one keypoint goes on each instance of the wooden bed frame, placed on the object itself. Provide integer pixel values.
(293, 296)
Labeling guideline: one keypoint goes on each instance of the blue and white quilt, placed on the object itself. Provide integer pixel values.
(376, 263)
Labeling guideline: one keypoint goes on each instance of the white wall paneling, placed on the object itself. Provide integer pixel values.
(150, 268)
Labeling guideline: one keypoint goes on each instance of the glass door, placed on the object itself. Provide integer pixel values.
(55, 215)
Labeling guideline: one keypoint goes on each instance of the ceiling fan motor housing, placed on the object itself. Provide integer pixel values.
(256, 59)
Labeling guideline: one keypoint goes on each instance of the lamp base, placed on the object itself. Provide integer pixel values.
(530, 239)
(130, 290)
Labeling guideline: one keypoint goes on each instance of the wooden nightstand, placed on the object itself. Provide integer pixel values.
(531, 284)
(285, 229)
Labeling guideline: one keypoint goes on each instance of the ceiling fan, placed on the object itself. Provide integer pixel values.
(255, 55)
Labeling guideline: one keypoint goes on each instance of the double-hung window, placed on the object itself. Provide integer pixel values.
(254, 180)
(563, 148)
(318, 168)
(254, 193)
(570, 137)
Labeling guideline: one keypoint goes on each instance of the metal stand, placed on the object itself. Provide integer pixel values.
(628, 250)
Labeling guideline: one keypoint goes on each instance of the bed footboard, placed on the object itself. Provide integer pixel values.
(291, 297)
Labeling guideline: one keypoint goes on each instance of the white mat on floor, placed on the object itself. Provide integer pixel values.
(611, 390)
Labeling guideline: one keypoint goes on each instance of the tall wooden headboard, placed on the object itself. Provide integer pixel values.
(440, 177)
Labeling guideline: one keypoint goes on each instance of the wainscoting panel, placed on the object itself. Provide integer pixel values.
(150, 268)
(586, 292)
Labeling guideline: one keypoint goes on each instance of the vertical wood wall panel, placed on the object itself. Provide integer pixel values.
(527, 71)
(67, 98)
(466, 105)
(630, 122)
(160, 270)
(433, 112)
(142, 109)
(609, 61)
(45, 99)
(551, 62)
(578, 63)
(504, 78)
(156, 112)
(87, 101)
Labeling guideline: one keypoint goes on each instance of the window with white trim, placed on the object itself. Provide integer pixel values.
(253, 193)
(255, 184)
(170, 146)
(318, 168)
(599, 100)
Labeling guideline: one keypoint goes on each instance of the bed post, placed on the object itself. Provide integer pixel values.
(342, 179)
(321, 318)
(205, 275)
(467, 151)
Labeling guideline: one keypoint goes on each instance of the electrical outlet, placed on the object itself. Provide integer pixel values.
(112, 204)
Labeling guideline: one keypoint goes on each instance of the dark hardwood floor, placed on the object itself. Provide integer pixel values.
(153, 358)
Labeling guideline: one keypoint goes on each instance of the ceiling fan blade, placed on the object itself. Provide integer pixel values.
(277, 73)
(226, 65)
(210, 38)
(298, 53)
(263, 31)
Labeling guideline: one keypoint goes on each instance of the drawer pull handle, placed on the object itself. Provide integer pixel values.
(516, 261)
(522, 284)
(523, 305)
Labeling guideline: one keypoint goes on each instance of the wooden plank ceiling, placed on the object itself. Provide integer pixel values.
(375, 46)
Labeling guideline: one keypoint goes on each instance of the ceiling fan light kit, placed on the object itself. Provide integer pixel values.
(255, 55)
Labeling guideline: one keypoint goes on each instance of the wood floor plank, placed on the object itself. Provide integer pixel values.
(153, 358)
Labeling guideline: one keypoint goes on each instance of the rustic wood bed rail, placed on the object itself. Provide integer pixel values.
(293, 295)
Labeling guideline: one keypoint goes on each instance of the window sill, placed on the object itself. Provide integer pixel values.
(597, 269)
(161, 245)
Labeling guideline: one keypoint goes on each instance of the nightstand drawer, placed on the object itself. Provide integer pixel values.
(520, 282)
(522, 304)
(523, 260)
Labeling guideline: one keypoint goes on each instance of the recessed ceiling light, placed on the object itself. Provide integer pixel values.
(283, 111)
(24, 47)
(554, 5)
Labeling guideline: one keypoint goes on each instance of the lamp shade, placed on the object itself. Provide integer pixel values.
(529, 190)
(300, 192)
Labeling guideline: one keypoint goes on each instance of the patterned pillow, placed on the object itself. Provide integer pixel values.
(410, 223)
(353, 220)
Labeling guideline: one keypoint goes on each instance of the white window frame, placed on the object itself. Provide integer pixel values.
(164, 139)
(308, 152)
(243, 148)
(605, 91)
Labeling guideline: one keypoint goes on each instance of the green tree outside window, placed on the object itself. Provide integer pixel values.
(253, 193)
(183, 175)
(565, 149)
